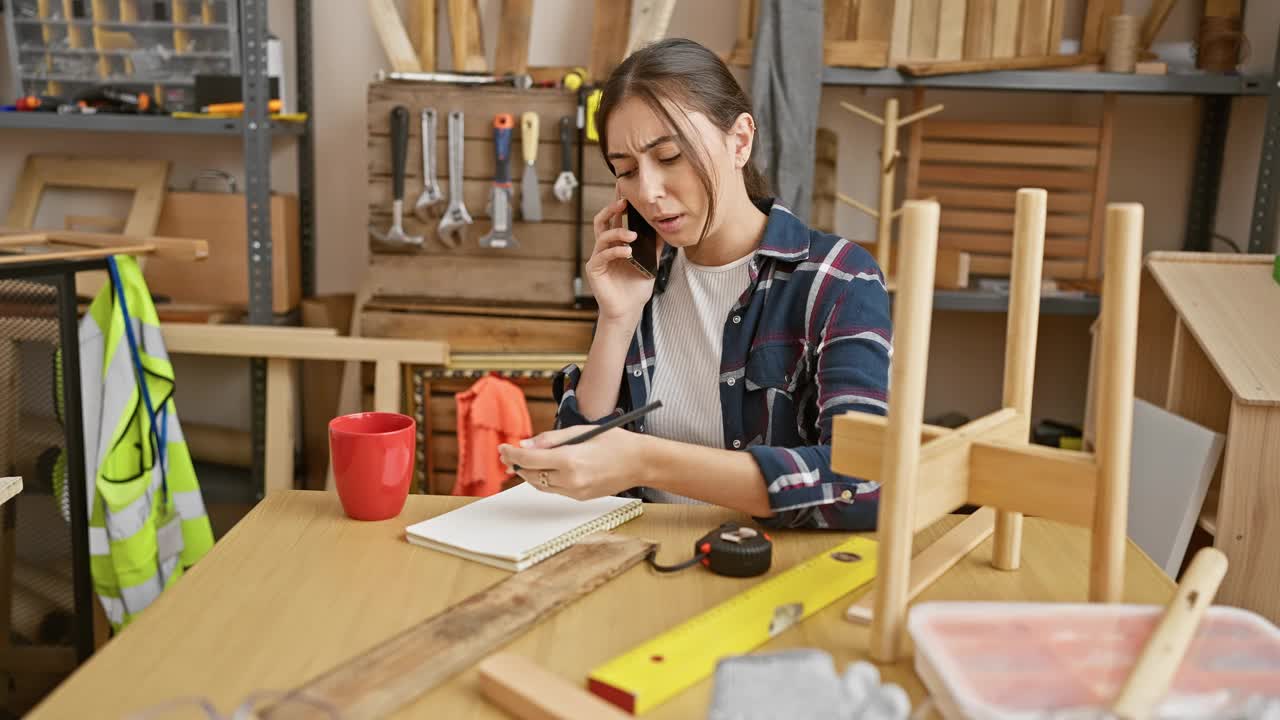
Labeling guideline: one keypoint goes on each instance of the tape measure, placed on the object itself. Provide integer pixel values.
(657, 670)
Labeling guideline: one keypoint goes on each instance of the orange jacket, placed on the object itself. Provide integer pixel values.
(490, 412)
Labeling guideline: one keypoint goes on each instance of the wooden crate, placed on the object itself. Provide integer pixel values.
(541, 270)
(974, 170)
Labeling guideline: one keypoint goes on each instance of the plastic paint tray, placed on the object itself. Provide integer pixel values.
(1026, 660)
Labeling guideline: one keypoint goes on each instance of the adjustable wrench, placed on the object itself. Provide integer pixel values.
(566, 182)
(431, 194)
(456, 216)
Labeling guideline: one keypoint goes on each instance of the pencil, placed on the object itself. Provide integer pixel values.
(619, 421)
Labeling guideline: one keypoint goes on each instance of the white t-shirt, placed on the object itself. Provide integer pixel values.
(688, 334)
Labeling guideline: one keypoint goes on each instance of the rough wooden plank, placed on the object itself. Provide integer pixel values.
(422, 31)
(513, 37)
(1006, 177)
(610, 27)
(466, 36)
(1004, 33)
(924, 29)
(474, 333)
(1008, 154)
(1011, 132)
(1033, 35)
(391, 33)
(951, 25)
(856, 53)
(875, 21)
(463, 279)
(1057, 19)
(979, 27)
(900, 33)
(837, 16)
(391, 674)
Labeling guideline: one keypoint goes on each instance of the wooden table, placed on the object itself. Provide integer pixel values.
(1209, 350)
(296, 588)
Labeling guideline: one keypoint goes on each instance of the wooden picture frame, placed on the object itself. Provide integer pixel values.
(146, 178)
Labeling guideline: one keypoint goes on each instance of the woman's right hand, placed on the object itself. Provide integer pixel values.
(620, 290)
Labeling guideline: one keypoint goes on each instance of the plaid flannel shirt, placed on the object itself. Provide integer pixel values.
(809, 339)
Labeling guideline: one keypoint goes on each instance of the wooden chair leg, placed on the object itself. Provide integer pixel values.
(278, 473)
(1123, 247)
(386, 386)
(913, 307)
(1020, 346)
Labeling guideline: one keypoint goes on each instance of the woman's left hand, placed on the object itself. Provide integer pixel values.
(604, 465)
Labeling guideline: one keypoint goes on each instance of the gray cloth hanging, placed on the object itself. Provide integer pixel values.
(786, 89)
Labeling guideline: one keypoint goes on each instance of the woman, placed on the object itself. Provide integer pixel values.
(756, 332)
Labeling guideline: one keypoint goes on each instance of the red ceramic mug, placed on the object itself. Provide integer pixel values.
(372, 457)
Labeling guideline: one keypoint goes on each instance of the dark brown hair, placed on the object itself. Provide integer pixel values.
(688, 74)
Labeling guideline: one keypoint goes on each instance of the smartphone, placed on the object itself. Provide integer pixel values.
(644, 249)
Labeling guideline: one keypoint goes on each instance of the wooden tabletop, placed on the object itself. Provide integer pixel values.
(1230, 304)
(296, 588)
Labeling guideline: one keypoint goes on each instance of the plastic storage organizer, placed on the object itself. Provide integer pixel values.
(61, 48)
(1001, 661)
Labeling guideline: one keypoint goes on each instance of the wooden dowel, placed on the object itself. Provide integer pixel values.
(386, 386)
(854, 203)
(862, 113)
(920, 115)
(1030, 214)
(912, 310)
(529, 691)
(1152, 675)
(884, 218)
(934, 560)
(1123, 246)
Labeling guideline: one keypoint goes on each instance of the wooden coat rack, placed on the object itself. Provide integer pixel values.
(928, 472)
(954, 264)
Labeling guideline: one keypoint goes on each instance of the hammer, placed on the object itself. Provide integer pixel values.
(396, 237)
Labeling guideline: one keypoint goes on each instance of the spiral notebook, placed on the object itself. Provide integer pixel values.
(521, 526)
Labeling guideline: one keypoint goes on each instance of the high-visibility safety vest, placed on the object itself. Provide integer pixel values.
(147, 521)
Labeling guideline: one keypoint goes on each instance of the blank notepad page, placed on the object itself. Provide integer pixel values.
(521, 526)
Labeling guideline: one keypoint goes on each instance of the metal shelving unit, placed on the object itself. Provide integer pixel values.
(1058, 81)
(256, 132)
(1216, 92)
(145, 124)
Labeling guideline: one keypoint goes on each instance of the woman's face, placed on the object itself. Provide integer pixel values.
(654, 176)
